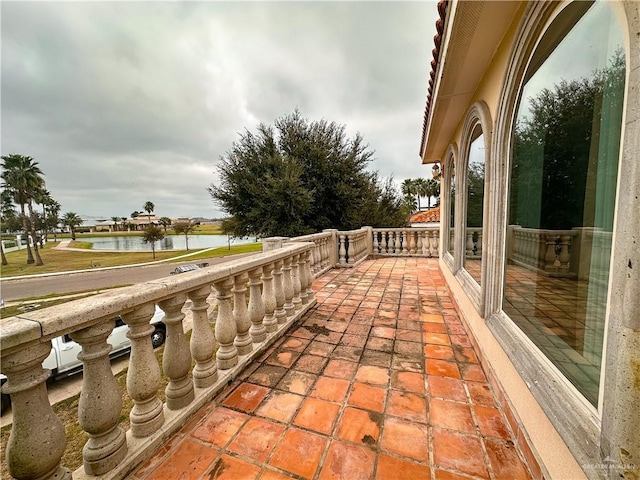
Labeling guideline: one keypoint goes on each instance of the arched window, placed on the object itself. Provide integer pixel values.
(562, 188)
(472, 259)
(450, 187)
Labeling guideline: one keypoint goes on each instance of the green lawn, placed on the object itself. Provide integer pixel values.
(64, 261)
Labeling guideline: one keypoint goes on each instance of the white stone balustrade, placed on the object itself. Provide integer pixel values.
(546, 251)
(410, 241)
(320, 256)
(277, 297)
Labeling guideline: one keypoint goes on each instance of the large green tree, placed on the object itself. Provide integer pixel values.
(300, 176)
(22, 176)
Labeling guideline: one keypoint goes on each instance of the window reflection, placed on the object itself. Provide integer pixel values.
(475, 202)
(562, 191)
(452, 205)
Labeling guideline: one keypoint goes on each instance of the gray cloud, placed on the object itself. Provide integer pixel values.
(124, 102)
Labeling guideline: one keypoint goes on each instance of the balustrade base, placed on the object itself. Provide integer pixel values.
(141, 449)
(96, 463)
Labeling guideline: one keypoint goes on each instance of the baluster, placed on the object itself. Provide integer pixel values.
(326, 253)
(295, 280)
(564, 256)
(37, 439)
(398, 246)
(143, 376)
(288, 287)
(405, 250)
(342, 251)
(532, 251)
(516, 245)
(550, 253)
(349, 249)
(256, 306)
(384, 242)
(241, 316)
(469, 244)
(315, 257)
(412, 242)
(375, 243)
(310, 292)
(419, 235)
(268, 299)
(203, 342)
(321, 262)
(305, 280)
(176, 360)
(540, 260)
(435, 239)
(100, 402)
(279, 313)
(225, 332)
(354, 253)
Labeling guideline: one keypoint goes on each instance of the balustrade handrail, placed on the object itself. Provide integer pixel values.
(279, 294)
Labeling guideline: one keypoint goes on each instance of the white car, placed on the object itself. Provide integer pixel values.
(63, 358)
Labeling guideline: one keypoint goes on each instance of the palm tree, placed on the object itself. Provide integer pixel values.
(23, 177)
(422, 190)
(165, 222)
(433, 189)
(115, 221)
(53, 212)
(148, 207)
(409, 190)
(72, 220)
(43, 198)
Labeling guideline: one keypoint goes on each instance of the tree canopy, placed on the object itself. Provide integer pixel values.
(152, 234)
(300, 176)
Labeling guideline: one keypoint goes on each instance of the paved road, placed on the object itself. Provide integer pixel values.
(75, 282)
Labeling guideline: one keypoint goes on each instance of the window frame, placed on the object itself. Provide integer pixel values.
(445, 204)
(477, 115)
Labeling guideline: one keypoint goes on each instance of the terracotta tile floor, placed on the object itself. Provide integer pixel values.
(378, 381)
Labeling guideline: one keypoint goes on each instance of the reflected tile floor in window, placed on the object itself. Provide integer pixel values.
(378, 381)
(563, 318)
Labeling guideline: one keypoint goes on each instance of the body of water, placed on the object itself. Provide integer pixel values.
(169, 242)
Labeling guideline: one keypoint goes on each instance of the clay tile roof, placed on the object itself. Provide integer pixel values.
(428, 216)
(437, 41)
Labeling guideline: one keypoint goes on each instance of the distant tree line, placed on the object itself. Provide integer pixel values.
(300, 176)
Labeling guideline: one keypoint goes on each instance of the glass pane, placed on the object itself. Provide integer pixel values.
(475, 202)
(564, 169)
(452, 206)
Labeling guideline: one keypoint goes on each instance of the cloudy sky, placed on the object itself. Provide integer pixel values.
(124, 102)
